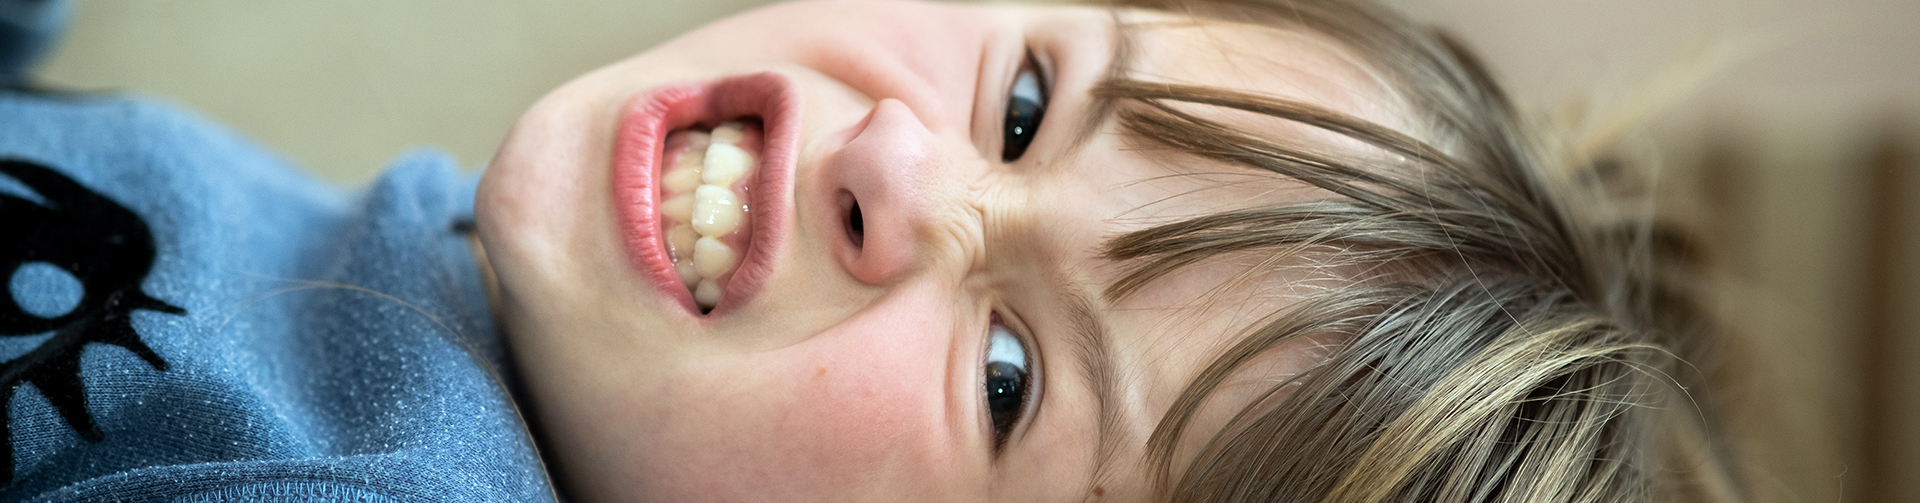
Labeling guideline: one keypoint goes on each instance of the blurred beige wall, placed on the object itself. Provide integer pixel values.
(1814, 57)
(342, 86)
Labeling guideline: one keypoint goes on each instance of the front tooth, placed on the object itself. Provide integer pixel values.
(685, 178)
(707, 294)
(680, 239)
(716, 211)
(725, 164)
(679, 208)
(712, 258)
(728, 133)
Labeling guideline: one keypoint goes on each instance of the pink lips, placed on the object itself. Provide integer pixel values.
(638, 155)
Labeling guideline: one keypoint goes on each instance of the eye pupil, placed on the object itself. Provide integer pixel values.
(1023, 117)
(1006, 392)
(1008, 387)
(1026, 105)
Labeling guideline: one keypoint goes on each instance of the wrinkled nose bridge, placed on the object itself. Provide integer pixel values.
(890, 169)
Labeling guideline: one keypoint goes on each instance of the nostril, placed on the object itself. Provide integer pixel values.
(856, 224)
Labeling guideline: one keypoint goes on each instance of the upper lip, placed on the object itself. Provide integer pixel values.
(644, 124)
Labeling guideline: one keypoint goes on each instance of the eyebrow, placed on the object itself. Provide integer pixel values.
(1092, 348)
(1101, 108)
(1091, 343)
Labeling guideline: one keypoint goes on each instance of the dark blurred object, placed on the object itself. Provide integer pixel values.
(28, 30)
(1886, 167)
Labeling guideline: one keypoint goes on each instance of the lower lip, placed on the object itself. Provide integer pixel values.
(638, 156)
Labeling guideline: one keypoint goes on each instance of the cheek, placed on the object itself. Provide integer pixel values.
(859, 409)
(863, 404)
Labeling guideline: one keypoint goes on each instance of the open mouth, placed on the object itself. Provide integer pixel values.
(704, 193)
(700, 181)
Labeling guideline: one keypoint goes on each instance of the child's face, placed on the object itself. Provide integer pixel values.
(846, 365)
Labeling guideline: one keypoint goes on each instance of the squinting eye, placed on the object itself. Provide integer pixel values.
(1026, 104)
(1008, 385)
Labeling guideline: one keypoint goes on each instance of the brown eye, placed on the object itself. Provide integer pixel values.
(1026, 105)
(1008, 384)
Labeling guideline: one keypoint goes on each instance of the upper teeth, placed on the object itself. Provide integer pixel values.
(702, 207)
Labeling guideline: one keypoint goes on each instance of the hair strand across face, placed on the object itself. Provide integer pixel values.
(1507, 344)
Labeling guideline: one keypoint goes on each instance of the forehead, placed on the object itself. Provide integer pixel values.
(1290, 63)
(1275, 62)
(1144, 183)
(1166, 333)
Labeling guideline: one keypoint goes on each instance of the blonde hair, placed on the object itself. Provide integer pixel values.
(1534, 344)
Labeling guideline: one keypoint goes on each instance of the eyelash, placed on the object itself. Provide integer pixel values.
(1024, 113)
(1008, 383)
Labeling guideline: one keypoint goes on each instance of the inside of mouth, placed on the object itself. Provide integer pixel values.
(704, 210)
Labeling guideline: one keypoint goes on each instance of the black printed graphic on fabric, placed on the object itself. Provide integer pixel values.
(104, 246)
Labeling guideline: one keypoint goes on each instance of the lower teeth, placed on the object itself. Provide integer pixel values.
(702, 208)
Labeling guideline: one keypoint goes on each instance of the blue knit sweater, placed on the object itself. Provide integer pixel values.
(192, 319)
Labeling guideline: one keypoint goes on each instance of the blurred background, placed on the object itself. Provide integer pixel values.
(1798, 146)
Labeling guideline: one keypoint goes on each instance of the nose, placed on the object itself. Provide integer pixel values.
(886, 176)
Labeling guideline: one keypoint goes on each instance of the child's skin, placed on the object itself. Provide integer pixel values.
(855, 371)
